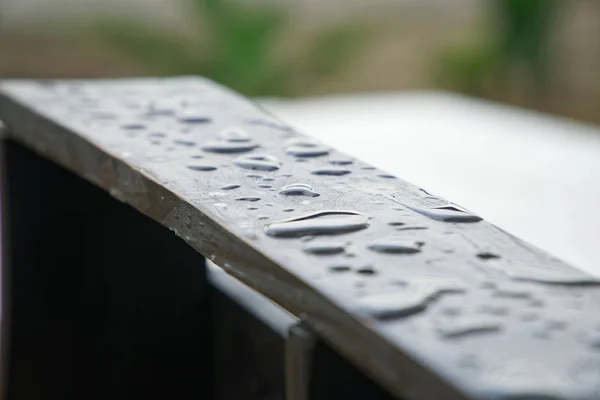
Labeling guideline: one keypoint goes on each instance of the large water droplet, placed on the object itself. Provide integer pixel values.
(298, 189)
(408, 299)
(319, 223)
(331, 171)
(550, 273)
(305, 148)
(258, 162)
(221, 146)
(466, 326)
(197, 167)
(234, 135)
(325, 248)
(448, 214)
(395, 245)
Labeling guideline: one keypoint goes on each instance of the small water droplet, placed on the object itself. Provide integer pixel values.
(366, 270)
(231, 186)
(264, 186)
(258, 162)
(339, 268)
(487, 256)
(331, 171)
(341, 162)
(556, 324)
(529, 316)
(133, 126)
(267, 179)
(187, 143)
(386, 176)
(263, 217)
(410, 298)
(254, 176)
(248, 198)
(197, 167)
(193, 117)
(394, 245)
(395, 223)
(494, 309)
(298, 189)
(325, 248)
(157, 135)
(466, 326)
(252, 208)
(368, 168)
(320, 223)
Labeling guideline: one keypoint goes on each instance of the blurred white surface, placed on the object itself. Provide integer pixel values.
(534, 175)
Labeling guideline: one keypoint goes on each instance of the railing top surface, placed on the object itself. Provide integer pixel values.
(424, 296)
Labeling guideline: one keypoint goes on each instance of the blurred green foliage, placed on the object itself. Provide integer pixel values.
(234, 46)
(518, 38)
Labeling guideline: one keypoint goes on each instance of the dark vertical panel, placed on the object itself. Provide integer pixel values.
(104, 302)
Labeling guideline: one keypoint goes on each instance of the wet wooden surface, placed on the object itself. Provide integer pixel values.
(423, 295)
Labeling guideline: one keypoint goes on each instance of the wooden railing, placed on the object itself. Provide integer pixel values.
(424, 298)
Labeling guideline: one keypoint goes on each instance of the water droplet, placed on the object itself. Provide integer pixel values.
(339, 268)
(494, 310)
(258, 162)
(252, 208)
(298, 189)
(263, 217)
(448, 214)
(466, 326)
(255, 176)
(529, 316)
(511, 292)
(157, 135)
(201, 167)
(305, 148)
(222, 146)
(341, 162)
(133, 126)
(264, 186)
(234, 135)
(368, 168)
(409, 299)
(394, 245)
(553, 272)
(366, 270)
(411, 228)
(556, 325)
(267, 179)
(331, 171)
(319, 223)
(248, 198)
(325, 248)
(187, 143)
(396, 223)
(231, 186)
(487, 256)
(196, 156)
(386, 176)
(193, 117)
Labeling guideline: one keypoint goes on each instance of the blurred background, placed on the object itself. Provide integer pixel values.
(538, 54)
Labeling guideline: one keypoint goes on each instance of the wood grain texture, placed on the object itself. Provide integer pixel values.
(426, 298)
